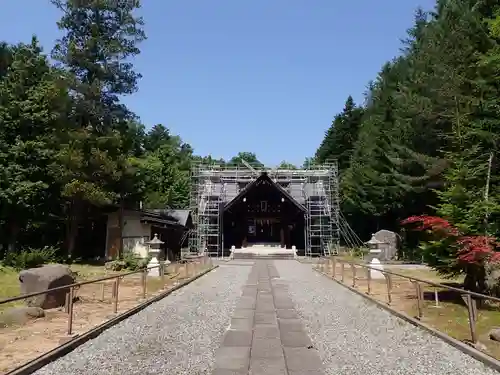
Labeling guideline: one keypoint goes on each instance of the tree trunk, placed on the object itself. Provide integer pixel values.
(121, 225)
(74, 217)
(475, 279)
(12, 235)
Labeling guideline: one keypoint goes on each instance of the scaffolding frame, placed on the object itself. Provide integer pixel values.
(323, 209)
(213, 186)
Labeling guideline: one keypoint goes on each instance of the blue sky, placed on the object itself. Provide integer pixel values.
(265, 76)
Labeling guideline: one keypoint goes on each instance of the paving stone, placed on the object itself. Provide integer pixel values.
(273, 273)
(290, 325)
(266, 348)
(266, 331)
(244, 313)
(264, 288)
(237, 338)
(267, 366)
(282, 294)
(287, 314)
(282, 303)
(280, 287)
(264, 293)
(307, 372)
(242, 324)
(222, 371)
(249, 291)
(265, 307)
(246, 303)
(264, 326)
(292, 339)
(266, 298)
(265, 318)
(232, 358)
(301, 359)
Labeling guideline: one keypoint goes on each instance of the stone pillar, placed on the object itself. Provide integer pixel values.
(375, 264)
(154, 251)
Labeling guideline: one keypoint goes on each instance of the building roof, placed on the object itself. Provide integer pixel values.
(264, 176)
(181, 216)
(155, 218)
(297, 190)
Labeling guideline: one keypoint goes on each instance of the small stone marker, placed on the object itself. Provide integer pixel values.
(154, 251)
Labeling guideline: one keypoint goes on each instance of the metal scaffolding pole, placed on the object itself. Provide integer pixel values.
(213, 186)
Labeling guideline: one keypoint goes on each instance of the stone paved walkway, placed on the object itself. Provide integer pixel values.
(259, 317)
(266, 335)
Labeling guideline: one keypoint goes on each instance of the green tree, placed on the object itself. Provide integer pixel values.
(286, 165)
(33, 105)
(101, 36)
(339, 140)
(249, 157)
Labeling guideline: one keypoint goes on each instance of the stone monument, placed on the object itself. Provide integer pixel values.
(389, 244)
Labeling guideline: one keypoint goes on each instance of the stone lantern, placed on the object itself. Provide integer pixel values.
(375, 251)
(154, 250)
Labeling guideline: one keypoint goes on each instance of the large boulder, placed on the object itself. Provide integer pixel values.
(390, 243)
(51, 276)
(20, 315)
(495, 334)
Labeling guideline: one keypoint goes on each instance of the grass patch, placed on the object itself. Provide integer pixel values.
(425, 274)
(9, 286)
(9, 280)
(452, 318)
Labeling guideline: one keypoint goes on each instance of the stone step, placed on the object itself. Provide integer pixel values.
(263, 256)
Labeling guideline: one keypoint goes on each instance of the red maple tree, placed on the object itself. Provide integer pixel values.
(475, 249)
(432, 223)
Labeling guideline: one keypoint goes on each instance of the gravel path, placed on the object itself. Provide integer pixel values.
(355, 337)
(177, 335)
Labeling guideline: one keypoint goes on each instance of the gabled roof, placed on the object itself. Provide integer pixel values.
(181, 216)
(154, 218)
(251, 185)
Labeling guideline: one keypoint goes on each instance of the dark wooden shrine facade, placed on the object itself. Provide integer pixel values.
(263, 212)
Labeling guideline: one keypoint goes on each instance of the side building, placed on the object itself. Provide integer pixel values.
(242, 207)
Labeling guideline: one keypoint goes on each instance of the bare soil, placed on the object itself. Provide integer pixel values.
(94, 305)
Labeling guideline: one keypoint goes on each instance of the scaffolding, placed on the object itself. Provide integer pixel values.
(322, 202)
(316, 188)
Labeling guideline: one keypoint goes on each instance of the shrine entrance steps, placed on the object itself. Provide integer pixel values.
(264, 251)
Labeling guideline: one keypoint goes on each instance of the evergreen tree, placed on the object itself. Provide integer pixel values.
(101, 35)
(339, 140)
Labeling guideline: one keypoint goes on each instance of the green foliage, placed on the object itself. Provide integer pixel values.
(69, 148)
(360, 252)
(286, 165)
(422, 141)
(341, 136)
(249, 157)
(129, 262)
(30, 258)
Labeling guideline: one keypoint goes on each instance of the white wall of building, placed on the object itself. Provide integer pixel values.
(135, 233)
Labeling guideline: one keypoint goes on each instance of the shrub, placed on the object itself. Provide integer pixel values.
(134, 263)
(30, 258)
(361, 252)
(115, 265)
(129, 262)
